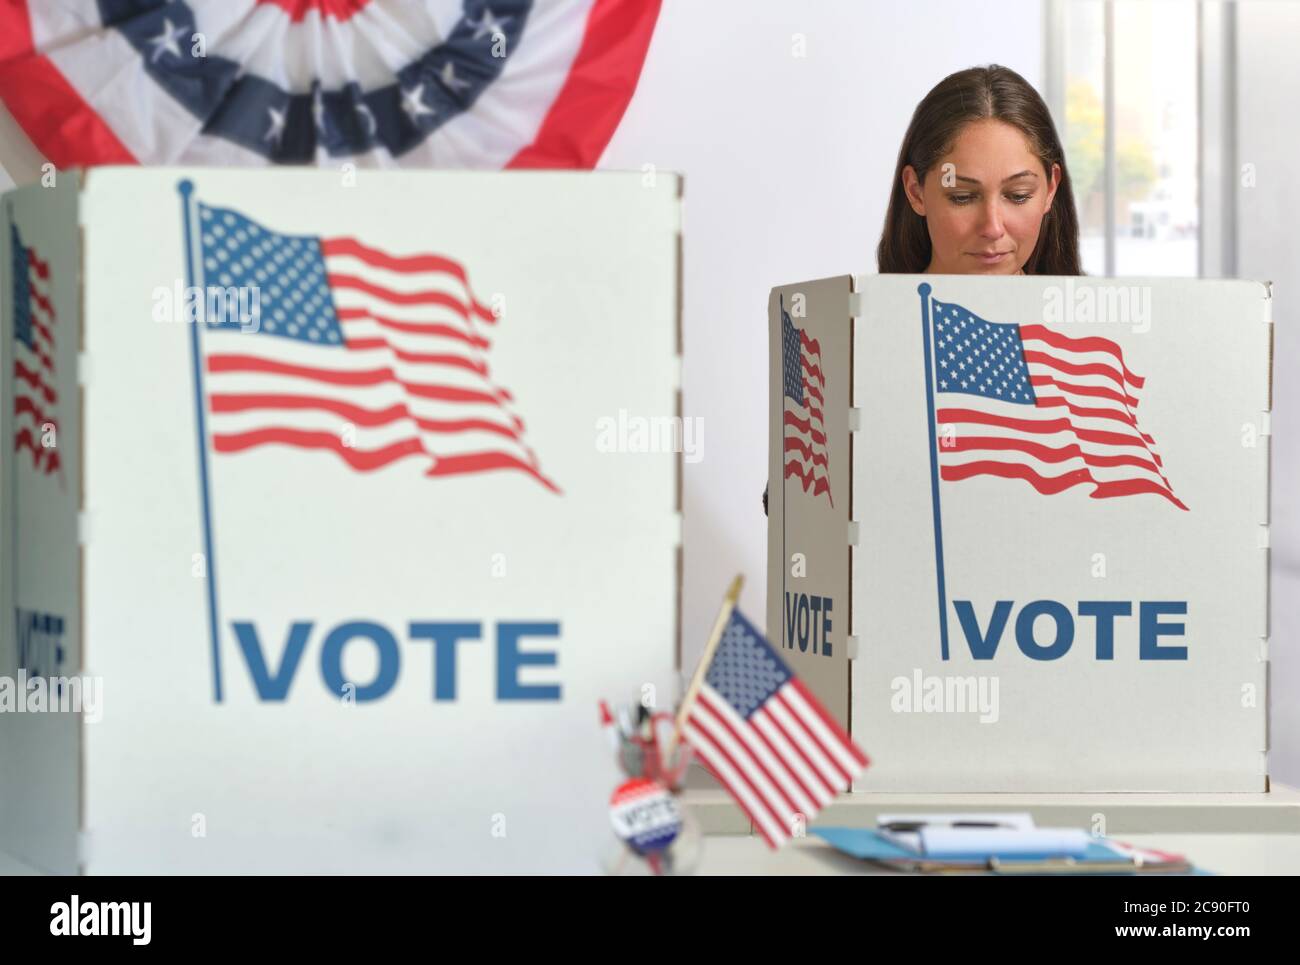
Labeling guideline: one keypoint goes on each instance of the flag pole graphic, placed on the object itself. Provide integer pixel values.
(924, 290)
(785, 564)
(715, 638)
(186, 189)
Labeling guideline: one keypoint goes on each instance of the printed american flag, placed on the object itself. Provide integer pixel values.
(373, 356)
(35, 324)
(805, 451)
(1025, 402)
(766, 737)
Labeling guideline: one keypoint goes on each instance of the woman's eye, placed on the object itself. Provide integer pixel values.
(1019, 198)
(961, 198)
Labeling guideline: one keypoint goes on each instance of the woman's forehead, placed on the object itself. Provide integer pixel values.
(989, 152)
(989, 139)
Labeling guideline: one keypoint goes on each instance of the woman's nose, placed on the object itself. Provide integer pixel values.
(991, 221)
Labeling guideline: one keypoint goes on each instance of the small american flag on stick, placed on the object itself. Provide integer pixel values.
(35, 324)
(1026, 402)
(765, 736)
(804, 450)
(373, 356)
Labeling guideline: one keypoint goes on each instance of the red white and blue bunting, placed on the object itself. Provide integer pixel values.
(422, 83)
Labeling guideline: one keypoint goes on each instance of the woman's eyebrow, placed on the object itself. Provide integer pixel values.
(1022, 174)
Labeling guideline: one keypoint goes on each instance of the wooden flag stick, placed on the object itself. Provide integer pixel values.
(715, 638)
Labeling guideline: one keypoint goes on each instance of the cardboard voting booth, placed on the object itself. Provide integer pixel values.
(1018, 530)
(320, 485)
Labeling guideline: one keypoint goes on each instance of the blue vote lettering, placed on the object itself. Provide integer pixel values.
(1045, 629)
(808, 623)
(275, 683)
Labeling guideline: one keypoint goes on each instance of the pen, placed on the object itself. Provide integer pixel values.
(918, 825)
(624, 721)
(608, 726)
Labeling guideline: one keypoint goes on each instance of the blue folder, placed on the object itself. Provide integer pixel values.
(867, 845)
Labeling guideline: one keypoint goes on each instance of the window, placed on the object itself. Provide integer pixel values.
(1123, 82)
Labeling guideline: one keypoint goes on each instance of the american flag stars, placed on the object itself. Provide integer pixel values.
(746, 672)
(489, 25)
(168, 42)
(289, 272)
(979, 357)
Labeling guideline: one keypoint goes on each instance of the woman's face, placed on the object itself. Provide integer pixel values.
(983, 201)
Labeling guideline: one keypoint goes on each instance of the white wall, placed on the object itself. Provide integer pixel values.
(19, 161)
(788, 165)
(1269, 249)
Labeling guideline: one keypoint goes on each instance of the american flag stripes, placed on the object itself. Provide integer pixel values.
(372, 356)
(804, 452)
(1025, 402)
(766, 737)
(35, 326)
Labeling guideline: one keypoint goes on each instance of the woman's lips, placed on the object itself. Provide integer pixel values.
(992, 259)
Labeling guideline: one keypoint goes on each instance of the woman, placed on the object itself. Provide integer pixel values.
(981, 186)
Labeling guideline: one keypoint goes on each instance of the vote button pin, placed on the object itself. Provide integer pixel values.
(644, 815)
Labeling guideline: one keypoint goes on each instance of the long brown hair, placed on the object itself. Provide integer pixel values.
(970, 95)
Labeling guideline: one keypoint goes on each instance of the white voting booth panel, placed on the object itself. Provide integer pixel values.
(367, 631)
(1036, 510)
